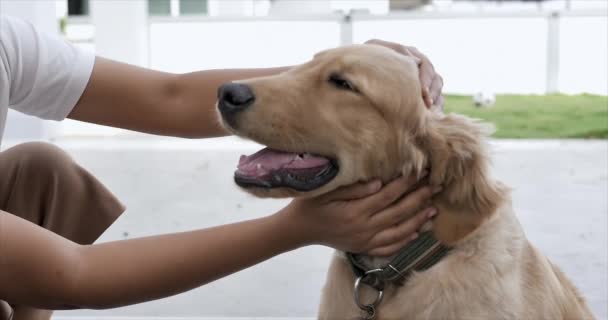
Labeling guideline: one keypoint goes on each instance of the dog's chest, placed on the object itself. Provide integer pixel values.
(465, 284)
(475, 282)
(449, 293)
(443, 292)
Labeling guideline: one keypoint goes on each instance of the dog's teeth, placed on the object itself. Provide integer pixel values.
(322, 172)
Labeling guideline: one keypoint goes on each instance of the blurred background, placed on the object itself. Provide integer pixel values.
(537, 69)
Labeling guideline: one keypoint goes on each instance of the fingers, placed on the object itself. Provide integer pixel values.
(430, 81)
(390, 193)
(408, 51)
(427, 76)
(427, 70)
(426, 96)
(399, 211)
(440, 102)
(354, 191)
(395, 46)
(417, 53)
(391, 240)
(416, 59)
(435, 89)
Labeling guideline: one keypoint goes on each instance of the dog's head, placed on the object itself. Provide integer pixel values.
(352, 114)
(348, 115)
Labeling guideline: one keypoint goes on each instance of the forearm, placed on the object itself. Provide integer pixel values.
(41, 269)
(139, 99)
(132, 271)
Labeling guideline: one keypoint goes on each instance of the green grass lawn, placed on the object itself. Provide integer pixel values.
(540, 116)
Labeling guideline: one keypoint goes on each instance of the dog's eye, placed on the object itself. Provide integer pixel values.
(341, 83)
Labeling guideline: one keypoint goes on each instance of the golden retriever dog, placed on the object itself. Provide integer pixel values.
(355, 113)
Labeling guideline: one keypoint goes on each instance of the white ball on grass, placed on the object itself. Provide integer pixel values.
(484, 99)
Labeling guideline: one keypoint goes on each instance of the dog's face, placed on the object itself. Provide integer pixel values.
(341, 118)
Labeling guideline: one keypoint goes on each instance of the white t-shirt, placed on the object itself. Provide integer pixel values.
(40, 74)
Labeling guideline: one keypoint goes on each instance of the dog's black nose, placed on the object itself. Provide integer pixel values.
(234, 97)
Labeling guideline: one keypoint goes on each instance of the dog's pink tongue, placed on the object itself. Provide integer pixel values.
(267, 160)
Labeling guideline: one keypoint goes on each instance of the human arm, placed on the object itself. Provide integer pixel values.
(140, 99)
(47, 77)
(130, 97)
(41, 269)
(51, 79)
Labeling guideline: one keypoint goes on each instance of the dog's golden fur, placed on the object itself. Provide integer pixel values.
(384, 130)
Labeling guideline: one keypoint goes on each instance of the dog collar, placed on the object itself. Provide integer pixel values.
(418, 255)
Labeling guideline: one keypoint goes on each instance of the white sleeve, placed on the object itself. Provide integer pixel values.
(47, 75)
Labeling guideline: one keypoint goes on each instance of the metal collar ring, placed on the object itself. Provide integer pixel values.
(371, 306)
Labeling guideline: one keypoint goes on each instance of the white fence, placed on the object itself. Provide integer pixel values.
(532, 52)
(514, 52)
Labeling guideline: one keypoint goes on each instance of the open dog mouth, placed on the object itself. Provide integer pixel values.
(270, 168)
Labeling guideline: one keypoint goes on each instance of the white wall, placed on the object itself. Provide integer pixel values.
(190, 46)
(282, 7)
(504, 54)
(230, 8)
(583, 50)
(473, 54)
(121, 31)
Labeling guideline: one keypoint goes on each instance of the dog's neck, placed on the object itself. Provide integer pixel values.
(455, 148)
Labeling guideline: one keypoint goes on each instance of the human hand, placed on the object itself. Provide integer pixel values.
(362, 218)
(431, 81)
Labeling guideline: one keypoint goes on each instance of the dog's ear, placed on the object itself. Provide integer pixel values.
(414, 160)
(458, 157)
(456, 146)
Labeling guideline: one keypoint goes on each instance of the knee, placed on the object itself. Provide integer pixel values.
(40, 158)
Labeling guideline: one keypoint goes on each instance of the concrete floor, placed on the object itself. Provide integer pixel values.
(560, 195)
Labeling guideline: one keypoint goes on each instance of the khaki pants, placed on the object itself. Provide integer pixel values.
(42, 184)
